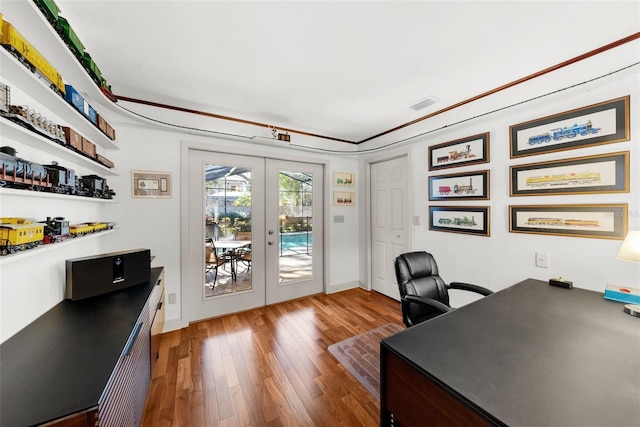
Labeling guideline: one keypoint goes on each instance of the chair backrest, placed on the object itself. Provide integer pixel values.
(243, 235)
(417, 274)
(210, 256)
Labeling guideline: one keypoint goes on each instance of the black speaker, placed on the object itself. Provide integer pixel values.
(99, 274)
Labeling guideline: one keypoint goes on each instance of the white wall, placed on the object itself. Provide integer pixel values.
(28, 292)
(33, 284)
(506, 258)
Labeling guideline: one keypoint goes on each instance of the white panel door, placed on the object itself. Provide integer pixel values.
(388, 222)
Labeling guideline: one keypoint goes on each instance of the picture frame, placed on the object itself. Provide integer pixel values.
(344, 198)
(603, 173)
(603, 123)
(473, 220)
(471, 150)
(151, 184)
(344, 179)
(463, 186)
(601, 221)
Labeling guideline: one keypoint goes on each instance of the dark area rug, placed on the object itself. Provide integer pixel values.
(361, 355)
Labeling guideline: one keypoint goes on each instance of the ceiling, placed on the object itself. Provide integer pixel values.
(343, 70)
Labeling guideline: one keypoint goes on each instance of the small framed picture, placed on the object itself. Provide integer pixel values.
(461, 152)
(603, 123)
(344, 179)
(149, 184)
(605, 173)
(344, 198)
(603, 221)
(463, 186)
(460, 219)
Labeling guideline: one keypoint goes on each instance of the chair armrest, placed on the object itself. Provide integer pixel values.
(428, 301)
(469, 287)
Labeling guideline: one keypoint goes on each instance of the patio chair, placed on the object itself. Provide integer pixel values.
(243, 255)
(212, 262)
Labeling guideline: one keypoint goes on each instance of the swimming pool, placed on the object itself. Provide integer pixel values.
(302, 240)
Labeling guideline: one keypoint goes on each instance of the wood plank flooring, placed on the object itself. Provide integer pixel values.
(269, 366)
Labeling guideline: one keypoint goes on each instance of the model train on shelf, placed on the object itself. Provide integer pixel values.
(51, 11)
(565, 132)
(20, 48)
(36, 122)
(23, 174)
(21, 234)
(29, 56)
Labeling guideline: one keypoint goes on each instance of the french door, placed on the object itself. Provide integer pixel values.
(254, 232)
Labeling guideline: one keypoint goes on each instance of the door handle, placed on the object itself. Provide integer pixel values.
(270, 243)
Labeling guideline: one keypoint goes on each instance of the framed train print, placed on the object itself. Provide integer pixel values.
(603, 221)
(471, 185)
(461, 152)
(153, 185)
(460, 219)
(344, 179)
(605, 173)
(603, 123)
(344, 198)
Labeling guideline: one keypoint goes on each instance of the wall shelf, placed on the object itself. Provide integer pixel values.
(46, 195)
(31, 23)
(11, 130)
(18, 75)
(5, 259)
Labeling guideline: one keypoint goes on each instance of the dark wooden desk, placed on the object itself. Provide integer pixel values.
(529, 355)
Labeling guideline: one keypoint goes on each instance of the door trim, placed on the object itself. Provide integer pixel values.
(368, 215)
(231, 146)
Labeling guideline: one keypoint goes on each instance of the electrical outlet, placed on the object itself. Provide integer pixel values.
(542, 259)
(172, 298)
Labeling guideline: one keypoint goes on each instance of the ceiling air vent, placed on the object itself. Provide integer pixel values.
(430, 100)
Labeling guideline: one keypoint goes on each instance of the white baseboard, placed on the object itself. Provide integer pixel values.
(343, 287)
(177, 324)
(174, 325)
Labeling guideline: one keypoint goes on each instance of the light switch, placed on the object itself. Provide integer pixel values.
(542, 259)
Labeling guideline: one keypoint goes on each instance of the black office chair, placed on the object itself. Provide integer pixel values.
(423, 293)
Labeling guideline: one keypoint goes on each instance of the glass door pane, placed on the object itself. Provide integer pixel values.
(227, 217)
(295, 192)
(294, 209)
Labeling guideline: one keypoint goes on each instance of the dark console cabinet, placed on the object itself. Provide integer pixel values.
(84, 363)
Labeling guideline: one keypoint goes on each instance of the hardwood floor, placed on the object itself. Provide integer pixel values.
(269, 366)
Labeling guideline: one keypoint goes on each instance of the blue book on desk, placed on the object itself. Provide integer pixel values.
(622, 294)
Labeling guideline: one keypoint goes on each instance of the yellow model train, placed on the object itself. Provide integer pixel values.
(18, 234)
(89, 227)
(28, 55)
